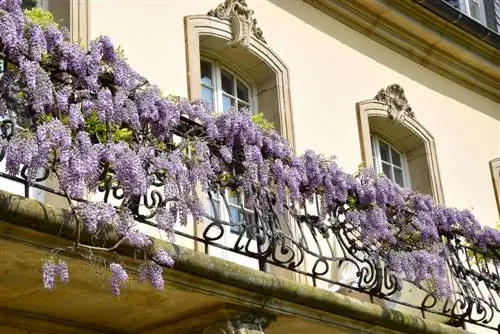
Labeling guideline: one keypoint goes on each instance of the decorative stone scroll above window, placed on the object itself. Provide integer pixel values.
(243, 25)
(394, 97)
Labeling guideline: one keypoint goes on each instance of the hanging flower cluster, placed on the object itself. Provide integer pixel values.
(91, 120)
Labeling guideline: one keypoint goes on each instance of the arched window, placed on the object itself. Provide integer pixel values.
(227, 50)
(396, 144)
(229, 63)
(223, 88)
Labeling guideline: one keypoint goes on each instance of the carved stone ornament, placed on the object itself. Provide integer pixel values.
(243, 25)
(240, 323)
(394, 97)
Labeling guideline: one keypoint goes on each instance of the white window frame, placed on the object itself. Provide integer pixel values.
(217, 68)
(465, 8)
(224, 212)
(377, 160)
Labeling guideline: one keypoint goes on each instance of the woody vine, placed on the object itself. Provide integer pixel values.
(94, 123)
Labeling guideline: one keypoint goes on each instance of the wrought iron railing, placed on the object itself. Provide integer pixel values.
(327, 252)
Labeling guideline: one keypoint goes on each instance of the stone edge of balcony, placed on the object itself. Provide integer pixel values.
(31, 214)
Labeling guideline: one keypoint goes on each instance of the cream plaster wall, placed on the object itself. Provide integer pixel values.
(331, 67)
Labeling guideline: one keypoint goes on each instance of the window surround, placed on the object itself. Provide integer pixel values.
(205, 25)
(376, 108)
(495, 177)
(221, 64)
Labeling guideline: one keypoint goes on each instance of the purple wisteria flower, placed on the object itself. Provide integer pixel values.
(162, 257)
(51, 270)
(97, 125)
(118, 277)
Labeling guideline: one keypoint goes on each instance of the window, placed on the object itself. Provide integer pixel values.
(59, 8)
(394, 142)
(231, 211)
(472, 8)
(223, 89)
(391, 162)
(475, 9)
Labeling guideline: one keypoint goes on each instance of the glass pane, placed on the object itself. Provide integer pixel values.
(398, 177)
(227, 82)
(210, 206)
(207, 94)
(386, 169)
(396, 158)
(384, 152)
(227, 103)
(235, 214)
(242, 91)
(474, 9)
(206, 73)
(232, 197)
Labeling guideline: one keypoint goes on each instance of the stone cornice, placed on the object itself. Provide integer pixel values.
(413, 31)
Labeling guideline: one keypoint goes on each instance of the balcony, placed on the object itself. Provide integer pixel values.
(298, 251)
(298, 247)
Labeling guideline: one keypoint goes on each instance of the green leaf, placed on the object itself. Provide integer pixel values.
(40, 17)
(123, 134)
(262, 123)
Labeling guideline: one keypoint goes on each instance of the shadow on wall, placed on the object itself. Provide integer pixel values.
(387, 57)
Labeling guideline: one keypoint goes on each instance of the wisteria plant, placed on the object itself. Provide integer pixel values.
(90, 120)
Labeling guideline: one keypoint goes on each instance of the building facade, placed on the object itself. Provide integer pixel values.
(410, 88)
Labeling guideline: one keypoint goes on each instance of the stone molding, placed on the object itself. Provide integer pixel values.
(80, 22)
(495, 177)
(39, 225)
(242, 322)
(243, 24)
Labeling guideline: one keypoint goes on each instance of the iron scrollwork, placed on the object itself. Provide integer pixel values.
(326, 250)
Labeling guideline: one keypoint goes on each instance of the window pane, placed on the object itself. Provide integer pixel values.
(232, 197)
(227, 103)
(474, 9)
(235, 214)
(396, 158)
(213, 208)
(398, 177)
(386, 169)
(227, 82)
(206, 73)
(384, 152)
(207, 94)
(242, 91)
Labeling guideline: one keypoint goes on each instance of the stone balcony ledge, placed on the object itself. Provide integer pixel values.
(197, 289)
